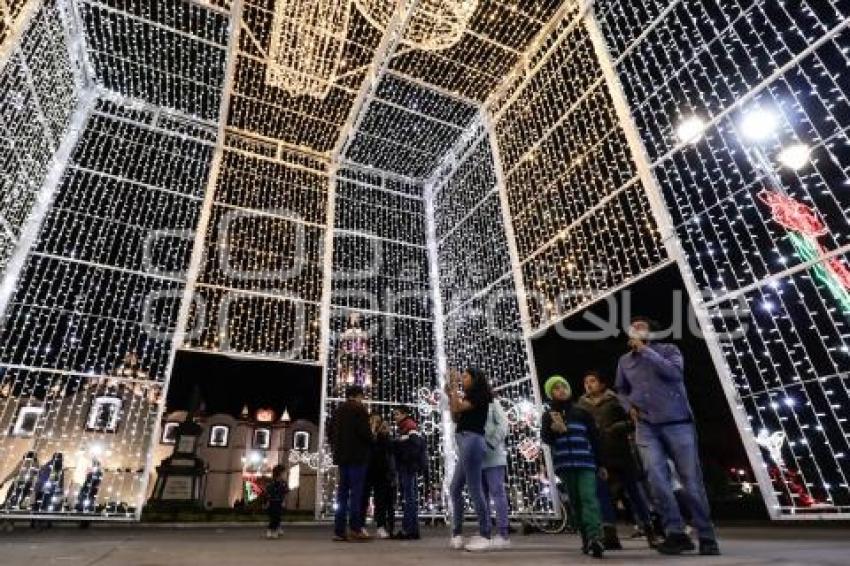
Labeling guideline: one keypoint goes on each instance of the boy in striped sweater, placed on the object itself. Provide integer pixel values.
(572, 437)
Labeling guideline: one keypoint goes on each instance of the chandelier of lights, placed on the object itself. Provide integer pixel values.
(306, 45)
(434, 24)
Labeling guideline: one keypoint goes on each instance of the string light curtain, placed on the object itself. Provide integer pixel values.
(94, 314)
(39, 97)
(582, 220)
(381, 277)
(482, 326)
(261, 280)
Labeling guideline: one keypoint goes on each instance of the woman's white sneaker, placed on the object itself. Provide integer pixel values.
(500, 543)
(478, 544)
(456, 543)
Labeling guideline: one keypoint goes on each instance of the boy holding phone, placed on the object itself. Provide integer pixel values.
(571, 434)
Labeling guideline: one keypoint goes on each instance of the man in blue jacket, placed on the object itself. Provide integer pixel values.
(650, 381)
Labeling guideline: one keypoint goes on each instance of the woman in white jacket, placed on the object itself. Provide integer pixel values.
(494, 469)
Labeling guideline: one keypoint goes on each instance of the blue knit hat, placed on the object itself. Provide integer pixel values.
(557, 380)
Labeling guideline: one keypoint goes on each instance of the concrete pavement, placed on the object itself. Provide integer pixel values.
(311, 546)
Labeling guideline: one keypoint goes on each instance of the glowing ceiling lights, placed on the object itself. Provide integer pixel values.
(759, 124)
(690, 130)
(795, 156)
(434, 24)
(306, 46)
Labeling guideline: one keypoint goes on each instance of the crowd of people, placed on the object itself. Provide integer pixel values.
(631, 445)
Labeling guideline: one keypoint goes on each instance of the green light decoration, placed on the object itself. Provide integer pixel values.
(810, 250)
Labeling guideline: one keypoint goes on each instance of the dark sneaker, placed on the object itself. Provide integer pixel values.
(610, 538)
(676, 543)
(596, 548)
(709, 547)
(687, 544)
(652, 539)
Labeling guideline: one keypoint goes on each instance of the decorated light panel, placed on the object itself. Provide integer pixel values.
(581, 217)
(742, 109)
(87, 336)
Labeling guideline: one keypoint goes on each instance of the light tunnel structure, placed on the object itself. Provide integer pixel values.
(390, 189)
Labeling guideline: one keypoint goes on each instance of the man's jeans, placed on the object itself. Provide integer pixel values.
(349, 498)
(410, 505)
(678, 443)
(471, 448)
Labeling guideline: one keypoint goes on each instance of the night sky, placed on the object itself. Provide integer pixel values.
(227, 384)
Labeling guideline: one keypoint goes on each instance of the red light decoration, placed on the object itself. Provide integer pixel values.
(792, 214)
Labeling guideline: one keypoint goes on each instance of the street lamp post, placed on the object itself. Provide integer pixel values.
(286, 443)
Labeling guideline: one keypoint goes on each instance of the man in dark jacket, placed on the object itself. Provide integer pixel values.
(615, 451)
(411, 457)
(350, 438)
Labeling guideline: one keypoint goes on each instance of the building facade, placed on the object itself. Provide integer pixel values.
(240, 454)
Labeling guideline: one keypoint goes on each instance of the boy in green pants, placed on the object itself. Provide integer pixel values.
(571, 434)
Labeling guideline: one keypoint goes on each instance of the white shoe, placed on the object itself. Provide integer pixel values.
(364, 532)
(478, 544)
(270, 534)
(500, 543)
(382, 533)
(456, 543)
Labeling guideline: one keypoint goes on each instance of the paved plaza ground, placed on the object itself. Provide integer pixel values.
(310, 546)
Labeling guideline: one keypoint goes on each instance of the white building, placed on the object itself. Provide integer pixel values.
(240, 451)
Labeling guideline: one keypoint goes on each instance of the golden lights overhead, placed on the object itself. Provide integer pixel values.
(306, 45)
(433, 26)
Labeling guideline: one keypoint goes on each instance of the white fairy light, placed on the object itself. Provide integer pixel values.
(795, 156)
(759, 124)
(690, 130)
(580, 217)
(734, 244)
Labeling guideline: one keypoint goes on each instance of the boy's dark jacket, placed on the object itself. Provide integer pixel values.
(614, 426)
(570, 413)
(350, 435)
(411, 450)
